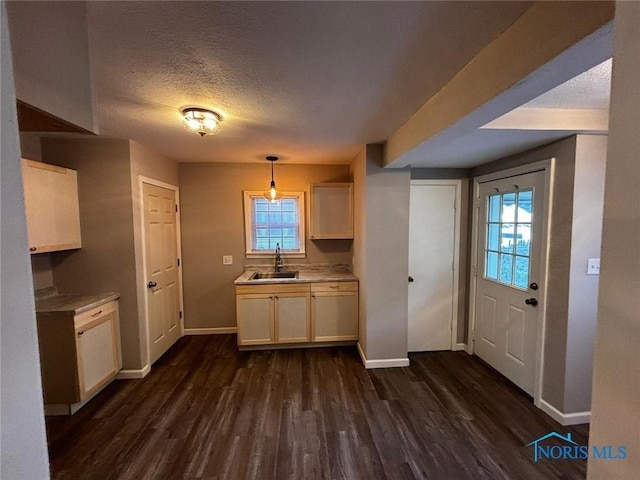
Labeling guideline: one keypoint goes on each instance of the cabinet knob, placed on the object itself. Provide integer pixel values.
(151, 284)
(32, 249)
(81, 332)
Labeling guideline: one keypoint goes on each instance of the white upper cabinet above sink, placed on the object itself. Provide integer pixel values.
(331, 211)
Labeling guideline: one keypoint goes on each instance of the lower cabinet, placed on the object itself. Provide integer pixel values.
(334, 308)
(79, 355)
(297, 313)
(273, 314)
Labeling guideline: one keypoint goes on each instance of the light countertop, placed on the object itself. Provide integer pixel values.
(306, 274)
(73, 303)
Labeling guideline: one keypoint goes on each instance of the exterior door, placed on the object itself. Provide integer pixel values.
(510, 225)
(161, 253)
(431, 260)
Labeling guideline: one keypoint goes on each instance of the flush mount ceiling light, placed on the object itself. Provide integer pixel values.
(201, 121)
(272, 195)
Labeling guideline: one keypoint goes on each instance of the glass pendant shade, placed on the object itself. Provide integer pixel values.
(201, 121)
(272, 194)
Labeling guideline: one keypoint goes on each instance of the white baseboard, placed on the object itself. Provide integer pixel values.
(564, 418)
(210, 331)
(383, 363)
(133, 374)
(459, 346)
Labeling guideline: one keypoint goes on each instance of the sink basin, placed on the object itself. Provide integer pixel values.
(273, 275)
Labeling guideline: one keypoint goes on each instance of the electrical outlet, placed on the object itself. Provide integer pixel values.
(593, 266)
(227, 259)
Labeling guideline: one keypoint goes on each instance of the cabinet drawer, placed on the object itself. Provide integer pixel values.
(85, 319)
(334, 287)
(272, 289)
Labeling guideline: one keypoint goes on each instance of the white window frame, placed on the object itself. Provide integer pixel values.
(248, 231)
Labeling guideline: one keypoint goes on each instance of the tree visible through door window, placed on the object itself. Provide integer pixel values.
(508, 237)
(269, 223)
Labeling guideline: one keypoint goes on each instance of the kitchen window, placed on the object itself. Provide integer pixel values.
(270, 223)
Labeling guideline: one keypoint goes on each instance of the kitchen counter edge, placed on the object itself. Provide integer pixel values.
(73, 304)
(303, 277)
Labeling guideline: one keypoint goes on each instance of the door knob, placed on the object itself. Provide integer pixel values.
(531, 301)
(151, 284)
(410, 279)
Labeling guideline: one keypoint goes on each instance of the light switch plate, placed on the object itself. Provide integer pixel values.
(593, 266)
(227, 259)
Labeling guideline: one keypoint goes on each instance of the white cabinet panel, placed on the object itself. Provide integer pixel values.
(52, 209)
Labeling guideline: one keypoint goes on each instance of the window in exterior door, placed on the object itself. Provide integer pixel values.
(508, 238)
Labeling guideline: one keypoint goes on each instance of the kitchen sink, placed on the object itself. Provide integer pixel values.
(273, 275)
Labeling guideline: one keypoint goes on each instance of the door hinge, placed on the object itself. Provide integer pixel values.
(176, 207)
(477, 202)
(178, 262)
(475, 270)
(181, 314)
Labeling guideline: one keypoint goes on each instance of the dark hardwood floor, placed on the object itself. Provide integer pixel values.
(207, 411)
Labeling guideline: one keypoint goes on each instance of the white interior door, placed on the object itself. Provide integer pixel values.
(161, 256)
(511, 218)
(432, 233)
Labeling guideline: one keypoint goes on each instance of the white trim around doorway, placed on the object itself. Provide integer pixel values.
(548, 166)
(151, 181)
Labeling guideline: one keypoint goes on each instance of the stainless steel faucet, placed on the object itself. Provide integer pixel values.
(279, 265)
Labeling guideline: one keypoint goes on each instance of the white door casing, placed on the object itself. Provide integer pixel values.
(161, 268)
(433, 264)
(510, 236)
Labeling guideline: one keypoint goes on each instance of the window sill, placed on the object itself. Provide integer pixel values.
(272, 254)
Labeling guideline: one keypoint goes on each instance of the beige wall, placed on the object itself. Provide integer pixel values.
(386, 258)
(212, 219)
(51, 52)
(30, 146)
(106, 261)
(586, 233)
(615, 416)
(23, 448)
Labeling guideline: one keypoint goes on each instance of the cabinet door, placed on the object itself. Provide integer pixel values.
(331, 211)
(97, 346)
(335, 316)
(293, 318)
(255, 318)
(52, 209)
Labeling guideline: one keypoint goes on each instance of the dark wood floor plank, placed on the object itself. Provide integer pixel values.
(208, 411)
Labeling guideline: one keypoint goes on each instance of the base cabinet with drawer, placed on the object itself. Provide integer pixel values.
(79, 355)
(297, 313)
(273, 314)
(334, 308)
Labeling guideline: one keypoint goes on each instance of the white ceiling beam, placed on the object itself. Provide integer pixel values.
(549, 44)
(558, 119)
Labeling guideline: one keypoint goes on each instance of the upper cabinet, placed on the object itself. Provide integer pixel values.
(51, 200)
(331, 211)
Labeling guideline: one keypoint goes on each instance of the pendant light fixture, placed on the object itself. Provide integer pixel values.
(272, 195)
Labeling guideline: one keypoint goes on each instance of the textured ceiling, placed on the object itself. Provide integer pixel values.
(590, 90)
(309, 81)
